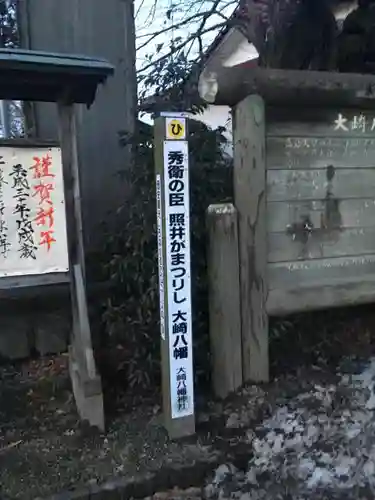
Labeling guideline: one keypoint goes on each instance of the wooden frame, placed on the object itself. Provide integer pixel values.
(28, 143)
(304, 189)
(229, 86)
(33, 280)
(27, 75)
(250, 201)
(85, 379)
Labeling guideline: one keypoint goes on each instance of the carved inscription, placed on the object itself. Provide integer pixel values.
(320, 200)
(329, 263)
(331, 145)
(320, 122)
(299, 149)
(298, 275)
(356, 213)
(358, 122)
(318, 152)
(320, 168)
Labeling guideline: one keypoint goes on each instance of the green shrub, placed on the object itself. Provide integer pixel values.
(131, 315)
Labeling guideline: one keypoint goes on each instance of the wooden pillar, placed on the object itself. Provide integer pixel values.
(224, 299)
(250, 201)
(86, 382)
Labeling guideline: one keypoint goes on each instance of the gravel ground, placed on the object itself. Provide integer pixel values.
(44, 449)
(304, 436)
(321, 444)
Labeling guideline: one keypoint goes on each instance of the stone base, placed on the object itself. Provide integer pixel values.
(52, 333)
(15, 335)
(22, 333)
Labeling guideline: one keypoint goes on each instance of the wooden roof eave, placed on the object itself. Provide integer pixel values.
(50, 77)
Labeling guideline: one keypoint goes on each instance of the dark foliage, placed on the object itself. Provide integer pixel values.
(356, 44)
(321, 338)
(290, 34)
(131, 314)
(9, 37)
(176, 90)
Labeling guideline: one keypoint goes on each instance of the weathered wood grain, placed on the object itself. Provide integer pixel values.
(228, 86)
(330, 183)
(31, 281)
(69, 155)
(320, 243)
(224, 299)
(28, 143)
(250, 201)
(104, 30)
(338, 294)
(323, 272)
(319, 152)
(355, 213)
(312, 122)
(86, 382)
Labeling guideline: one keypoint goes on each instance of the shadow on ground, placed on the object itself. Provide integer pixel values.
(45, 449)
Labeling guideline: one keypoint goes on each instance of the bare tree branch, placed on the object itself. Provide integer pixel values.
(202, 25)
(163, 31)
(140, 7)
(205, 15)
(192, 40)
(151, 15)
(179, 47)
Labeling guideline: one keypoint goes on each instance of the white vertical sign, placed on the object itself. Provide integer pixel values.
(178, 280)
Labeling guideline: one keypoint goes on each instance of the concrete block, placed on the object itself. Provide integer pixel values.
(52, 332)
(14, 337)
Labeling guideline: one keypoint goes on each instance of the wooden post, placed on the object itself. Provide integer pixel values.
(86, 381)
(250, 201)
(224, 299)
(172, 175)
(68, 141)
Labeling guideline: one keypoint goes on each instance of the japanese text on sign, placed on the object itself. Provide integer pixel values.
(177, 237)
(360, 123)
(32, 212)
(160, 255)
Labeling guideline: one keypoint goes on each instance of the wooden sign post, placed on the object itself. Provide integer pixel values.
(304, 185)
(173, 221)
(40, 223)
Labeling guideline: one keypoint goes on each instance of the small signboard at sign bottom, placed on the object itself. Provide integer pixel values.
(177, 240)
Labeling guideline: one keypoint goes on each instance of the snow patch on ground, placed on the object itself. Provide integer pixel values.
(322, 441)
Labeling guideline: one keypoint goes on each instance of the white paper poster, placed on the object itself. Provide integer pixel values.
(33, 237)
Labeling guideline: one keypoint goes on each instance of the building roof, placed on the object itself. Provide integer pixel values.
(189, 86)
(231, 33)
(218, 40)
(46, 76)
